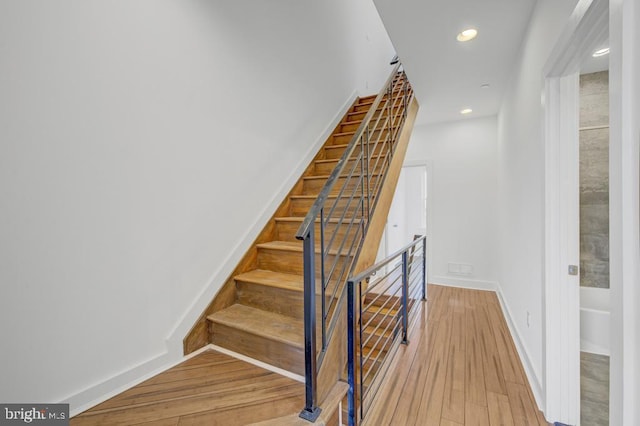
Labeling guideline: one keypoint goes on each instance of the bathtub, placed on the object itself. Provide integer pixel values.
(594, 320)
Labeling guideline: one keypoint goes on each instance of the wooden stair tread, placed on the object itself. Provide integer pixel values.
(310, 197)
(277, 327)
(272, 279)
(335, 160)
(341, 146)
(300, 219)
(282, 245)
(326, 177)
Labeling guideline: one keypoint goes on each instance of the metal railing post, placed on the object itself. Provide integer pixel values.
(405, 95)
(424, 268)
(367, 172)
(351, 355)
(323, 305)
(311, 410)
(405, 298)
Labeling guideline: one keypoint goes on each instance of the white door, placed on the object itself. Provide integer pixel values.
(408, 212)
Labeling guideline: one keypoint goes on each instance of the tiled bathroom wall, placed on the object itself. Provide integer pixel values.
(594, 179)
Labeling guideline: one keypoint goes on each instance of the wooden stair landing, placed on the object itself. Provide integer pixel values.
(209, 389)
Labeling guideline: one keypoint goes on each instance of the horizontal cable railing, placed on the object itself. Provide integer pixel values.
(382, 303)
(334, 229)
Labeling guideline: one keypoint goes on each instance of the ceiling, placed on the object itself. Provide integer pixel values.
(446, 74)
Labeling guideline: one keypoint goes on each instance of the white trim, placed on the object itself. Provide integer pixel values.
(258, 363)
(587, 26)
(109, 387)
(465, 283)
(523, 353)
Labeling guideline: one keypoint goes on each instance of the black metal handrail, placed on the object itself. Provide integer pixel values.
(341, 215)
(381, 306)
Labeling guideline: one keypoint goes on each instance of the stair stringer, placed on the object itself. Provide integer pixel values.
(333, 365)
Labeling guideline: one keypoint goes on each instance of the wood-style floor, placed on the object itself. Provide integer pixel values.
(460, 368)
(208, 389)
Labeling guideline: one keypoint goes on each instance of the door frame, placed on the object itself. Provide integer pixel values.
(587, 26)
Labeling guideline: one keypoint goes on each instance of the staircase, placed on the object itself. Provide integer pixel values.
(266, 320)
(259, 311)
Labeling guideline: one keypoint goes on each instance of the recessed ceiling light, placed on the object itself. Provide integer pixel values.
(601, 52)
(468, 34)
(466, 111)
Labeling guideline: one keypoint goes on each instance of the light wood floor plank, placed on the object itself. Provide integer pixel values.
(522, 406)
(453, 403)
(499, 410)
(474, 368)
(430, 410)
(465, 340)
(475, 415)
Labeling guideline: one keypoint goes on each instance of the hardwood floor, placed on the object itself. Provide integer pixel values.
(460, 368)
(208, 389)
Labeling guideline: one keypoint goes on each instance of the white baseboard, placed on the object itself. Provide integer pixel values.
(464, 283)
(523, 353)
(101, 391)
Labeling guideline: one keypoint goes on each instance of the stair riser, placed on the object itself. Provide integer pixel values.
(287, 231)
(287, 357)
(349, 127)
(300, 207)
(273, 299)
(326, 167)
(343, 139)
(365, 106)
(335, 152)
(380, 320)
(287, 261)
(314, 186)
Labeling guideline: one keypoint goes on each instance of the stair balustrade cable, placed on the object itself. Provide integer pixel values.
(333, 231)
(382, 304)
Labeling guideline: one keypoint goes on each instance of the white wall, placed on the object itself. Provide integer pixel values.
(462, 194)
(521, 177)
(142, 146)
(625, 211)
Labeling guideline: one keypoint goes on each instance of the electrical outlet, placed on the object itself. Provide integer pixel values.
(528, 319)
